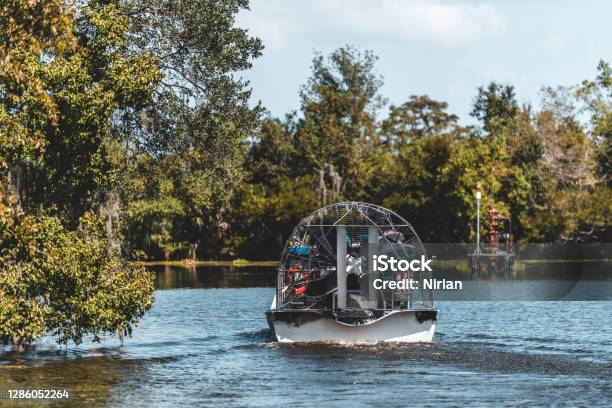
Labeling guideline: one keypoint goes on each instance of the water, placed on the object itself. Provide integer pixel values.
(206, 343)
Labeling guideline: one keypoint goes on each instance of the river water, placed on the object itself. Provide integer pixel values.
(206, 343)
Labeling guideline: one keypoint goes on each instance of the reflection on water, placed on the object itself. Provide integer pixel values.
(568, 280)
(169, 277)
(206, 343)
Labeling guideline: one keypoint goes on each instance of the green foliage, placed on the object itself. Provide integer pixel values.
(60, 116)
(597, 96)
(339, 105)
(65, 74)
(188, 146)
(65, 283)
(261, 220)
(495, 105)
(419, 117)
(539, 167)
(26, 106)
(273, 154)
(151, 220)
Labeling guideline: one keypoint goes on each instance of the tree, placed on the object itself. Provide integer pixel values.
(567, 174)
(419, 117)
(65, 283)
(339, 104)
(152, 213)
(569, 155)
(417, 142)
(597, 97)
(68, 104)
(495, 105)
(196, 129)
(272, 154)
(294, 165)
(263, 219)
(511, 130)
(65, 73)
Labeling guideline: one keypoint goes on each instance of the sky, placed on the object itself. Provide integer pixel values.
(444, 49)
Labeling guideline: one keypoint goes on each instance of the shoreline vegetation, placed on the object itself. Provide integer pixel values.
(188, 263)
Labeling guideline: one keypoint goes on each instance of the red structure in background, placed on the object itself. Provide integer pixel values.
(495, 218)
(497, 255)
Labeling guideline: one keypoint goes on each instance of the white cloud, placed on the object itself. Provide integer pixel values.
(555, 42)
(440, 22)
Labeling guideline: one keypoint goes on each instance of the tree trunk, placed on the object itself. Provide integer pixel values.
(18, 345)
(194, 248)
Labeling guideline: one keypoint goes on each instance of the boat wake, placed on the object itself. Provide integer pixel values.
(472, 356)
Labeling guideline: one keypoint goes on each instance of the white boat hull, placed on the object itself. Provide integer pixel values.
(406, 326)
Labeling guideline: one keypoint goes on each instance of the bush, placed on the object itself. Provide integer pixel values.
(65, 283)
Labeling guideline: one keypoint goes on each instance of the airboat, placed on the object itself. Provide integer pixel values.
(326, 277)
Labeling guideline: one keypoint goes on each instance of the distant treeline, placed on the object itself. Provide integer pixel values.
(548, 169)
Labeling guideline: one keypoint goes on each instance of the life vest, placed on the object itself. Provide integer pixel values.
(290, 278)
